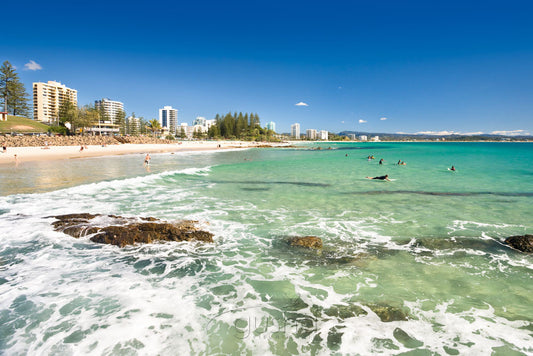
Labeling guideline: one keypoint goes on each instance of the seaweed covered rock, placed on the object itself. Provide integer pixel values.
(122, 231)
(523, 243)
(312, 242)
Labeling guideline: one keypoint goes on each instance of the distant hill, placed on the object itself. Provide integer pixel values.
(17, 124)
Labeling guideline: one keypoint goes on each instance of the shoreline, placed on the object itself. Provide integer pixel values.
(50, 153)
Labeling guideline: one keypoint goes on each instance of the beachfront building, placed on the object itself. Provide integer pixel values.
(109, 107)
(351, 137)
(168, 118)
(311, 134)
(271, 126)
(375, 138)
(295, 131)
(203, 124)
(48, 98)
(324, 135)
(190, 131)
(107, 123)
(363, 138)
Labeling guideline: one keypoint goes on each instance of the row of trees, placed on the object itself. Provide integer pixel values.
(13, 93)
(239, 126)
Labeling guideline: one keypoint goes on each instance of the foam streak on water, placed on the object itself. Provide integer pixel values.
(398, 272)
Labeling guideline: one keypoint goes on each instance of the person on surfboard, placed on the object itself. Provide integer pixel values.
(385, 177)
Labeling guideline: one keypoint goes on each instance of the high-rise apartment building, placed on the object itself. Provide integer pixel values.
(295, 131)
(311, 134)
(110, 107)
(48, 98)
(168, 118)
(324, 135)
(271, 126)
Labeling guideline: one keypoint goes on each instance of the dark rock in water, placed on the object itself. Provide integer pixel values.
(306, 241)
(345, 311)
(122, 231)
(523, 243)
(388, 313)
(406, 339)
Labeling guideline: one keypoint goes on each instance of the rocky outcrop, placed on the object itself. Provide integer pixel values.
(312, 242)
(522, 243)
(122, 231)
(43, 141)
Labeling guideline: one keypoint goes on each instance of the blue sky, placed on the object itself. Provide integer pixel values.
(379, 66)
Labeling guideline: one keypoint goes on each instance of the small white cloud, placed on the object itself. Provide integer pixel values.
(32, 65)
(383, 118)
(301, 103)
(342, 122)
(511, 133)
(361, 121)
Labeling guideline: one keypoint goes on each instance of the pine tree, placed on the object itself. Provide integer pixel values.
(120, 120)
(68, 113)
(12, 91)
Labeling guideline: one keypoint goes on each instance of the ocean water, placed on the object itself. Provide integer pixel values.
(414, 266)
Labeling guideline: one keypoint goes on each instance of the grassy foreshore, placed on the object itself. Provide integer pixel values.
(44, 148)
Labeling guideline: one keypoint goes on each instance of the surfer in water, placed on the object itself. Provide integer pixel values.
(385, 177)
(452, 169)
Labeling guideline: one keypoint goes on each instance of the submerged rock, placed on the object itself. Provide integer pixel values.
(306, 241)
(122, 231)
(385, 312)
(523, 243)
(388, 313)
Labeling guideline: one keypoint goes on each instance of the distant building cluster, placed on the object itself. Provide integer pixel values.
(310, 134)
(49, 97)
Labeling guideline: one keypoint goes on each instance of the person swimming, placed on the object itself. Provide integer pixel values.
(385, 177)
(381, 161)
(453, 168)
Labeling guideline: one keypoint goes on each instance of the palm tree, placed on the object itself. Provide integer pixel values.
(154, 126)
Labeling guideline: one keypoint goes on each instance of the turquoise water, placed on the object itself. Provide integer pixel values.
(415, 265)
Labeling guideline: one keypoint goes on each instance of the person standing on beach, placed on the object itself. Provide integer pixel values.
(4, 147)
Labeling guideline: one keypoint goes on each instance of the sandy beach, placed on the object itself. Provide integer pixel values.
(28, 154)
